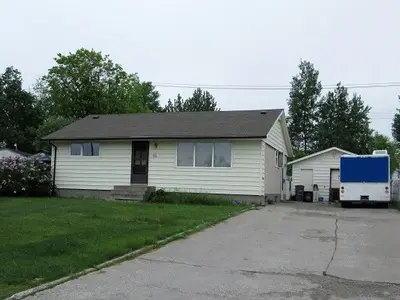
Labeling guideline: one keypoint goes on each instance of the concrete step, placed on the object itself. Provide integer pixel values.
(126, 194)
(130, 188)
(128, 198)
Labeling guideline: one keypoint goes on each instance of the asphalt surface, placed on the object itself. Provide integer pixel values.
(284, 251)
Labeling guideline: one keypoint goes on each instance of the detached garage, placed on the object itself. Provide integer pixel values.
(321, 168)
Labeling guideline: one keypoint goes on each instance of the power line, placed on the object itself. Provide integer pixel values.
(271, 88)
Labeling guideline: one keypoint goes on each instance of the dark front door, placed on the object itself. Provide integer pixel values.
(140, 159)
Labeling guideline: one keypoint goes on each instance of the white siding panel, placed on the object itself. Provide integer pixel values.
(243, 178)
(112, 167)
(276, 137)
(274, 173)
(321, 166)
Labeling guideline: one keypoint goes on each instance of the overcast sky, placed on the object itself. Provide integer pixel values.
(253, 42)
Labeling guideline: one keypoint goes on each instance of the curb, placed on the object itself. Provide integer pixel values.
(129, 255)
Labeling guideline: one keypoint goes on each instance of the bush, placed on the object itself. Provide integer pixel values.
(22, 177)
(161, 196)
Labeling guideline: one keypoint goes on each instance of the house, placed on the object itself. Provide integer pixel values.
(321, 168)
(8, 152)
(238, 153)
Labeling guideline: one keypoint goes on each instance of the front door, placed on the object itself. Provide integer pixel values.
(140, 159)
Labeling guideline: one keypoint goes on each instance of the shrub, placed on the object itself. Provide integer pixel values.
(161, 196)
(22, 177)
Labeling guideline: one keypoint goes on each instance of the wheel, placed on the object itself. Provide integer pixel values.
(383, 205)
(344, 204)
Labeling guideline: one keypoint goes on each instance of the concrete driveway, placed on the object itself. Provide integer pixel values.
(285, 251)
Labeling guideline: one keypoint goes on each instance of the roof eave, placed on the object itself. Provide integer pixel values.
(151, 138)
(319, 153)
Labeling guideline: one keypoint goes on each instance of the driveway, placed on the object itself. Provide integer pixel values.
(284, 251)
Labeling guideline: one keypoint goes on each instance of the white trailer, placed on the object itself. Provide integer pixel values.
(365, 178)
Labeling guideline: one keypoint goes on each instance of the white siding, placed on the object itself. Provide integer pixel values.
(243, 178)
(274, 173)
(276, 138)
(112, 167)
(8, 153)
(321, 166)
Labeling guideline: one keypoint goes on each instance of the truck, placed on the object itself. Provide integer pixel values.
(365, 178)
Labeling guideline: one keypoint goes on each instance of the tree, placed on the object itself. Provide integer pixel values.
(199, 101)
(382, 142)
(396, 126)
(86, 82)
(175, 106)
(343, 122)
(50, 125)
(302, 102)
(19, 114)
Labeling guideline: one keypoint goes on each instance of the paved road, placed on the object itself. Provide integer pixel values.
(285, 251)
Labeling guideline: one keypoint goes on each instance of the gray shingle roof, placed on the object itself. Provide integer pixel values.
(220, 124)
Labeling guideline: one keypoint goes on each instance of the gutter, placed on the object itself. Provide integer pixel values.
(53, 188)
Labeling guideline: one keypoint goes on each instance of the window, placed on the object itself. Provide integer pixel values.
(185, 154)
(278, 159)
(204, 155)
(76, 149)
(85, 149)
(222, 155)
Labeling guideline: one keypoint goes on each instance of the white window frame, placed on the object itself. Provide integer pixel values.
(277, 155)
(81, 152)
(212, 155)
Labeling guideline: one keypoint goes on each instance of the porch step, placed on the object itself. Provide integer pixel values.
(135, 192)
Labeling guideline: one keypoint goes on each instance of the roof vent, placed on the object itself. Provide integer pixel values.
(95, 117)
(263, 112)
(380, 152)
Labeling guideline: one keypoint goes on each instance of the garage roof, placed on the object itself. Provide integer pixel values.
(319, 153)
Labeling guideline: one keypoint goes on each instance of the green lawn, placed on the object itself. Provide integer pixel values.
(42, 239)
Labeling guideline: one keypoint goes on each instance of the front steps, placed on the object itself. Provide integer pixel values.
(133, 192)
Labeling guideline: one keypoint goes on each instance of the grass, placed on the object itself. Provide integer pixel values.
(43, 239)
(160, 196)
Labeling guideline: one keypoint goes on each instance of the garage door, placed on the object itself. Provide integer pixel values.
(306, 179)
(335, 181)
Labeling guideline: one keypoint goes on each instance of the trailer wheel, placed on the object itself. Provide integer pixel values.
(383, 205)
(345, 204)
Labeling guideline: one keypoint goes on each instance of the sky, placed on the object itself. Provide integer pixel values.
(230, 42)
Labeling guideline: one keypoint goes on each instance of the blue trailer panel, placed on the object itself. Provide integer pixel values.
(366, 169)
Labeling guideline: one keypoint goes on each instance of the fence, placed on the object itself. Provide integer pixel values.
(395, 190)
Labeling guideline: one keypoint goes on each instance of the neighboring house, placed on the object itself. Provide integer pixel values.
(321, 168)
(7, 152)
(238, 153)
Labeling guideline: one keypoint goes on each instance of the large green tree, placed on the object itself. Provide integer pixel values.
(343, 122)
(396, 126)
(19, 113)
(382, 142)
(88, 82)
(199, 101)
(303, 97)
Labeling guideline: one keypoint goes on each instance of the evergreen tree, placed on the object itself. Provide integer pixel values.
(200, 101)
(175, 106)
(343, 122)
(302, 102)
(396, 126)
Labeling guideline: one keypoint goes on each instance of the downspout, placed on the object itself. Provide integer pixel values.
(53, 188)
